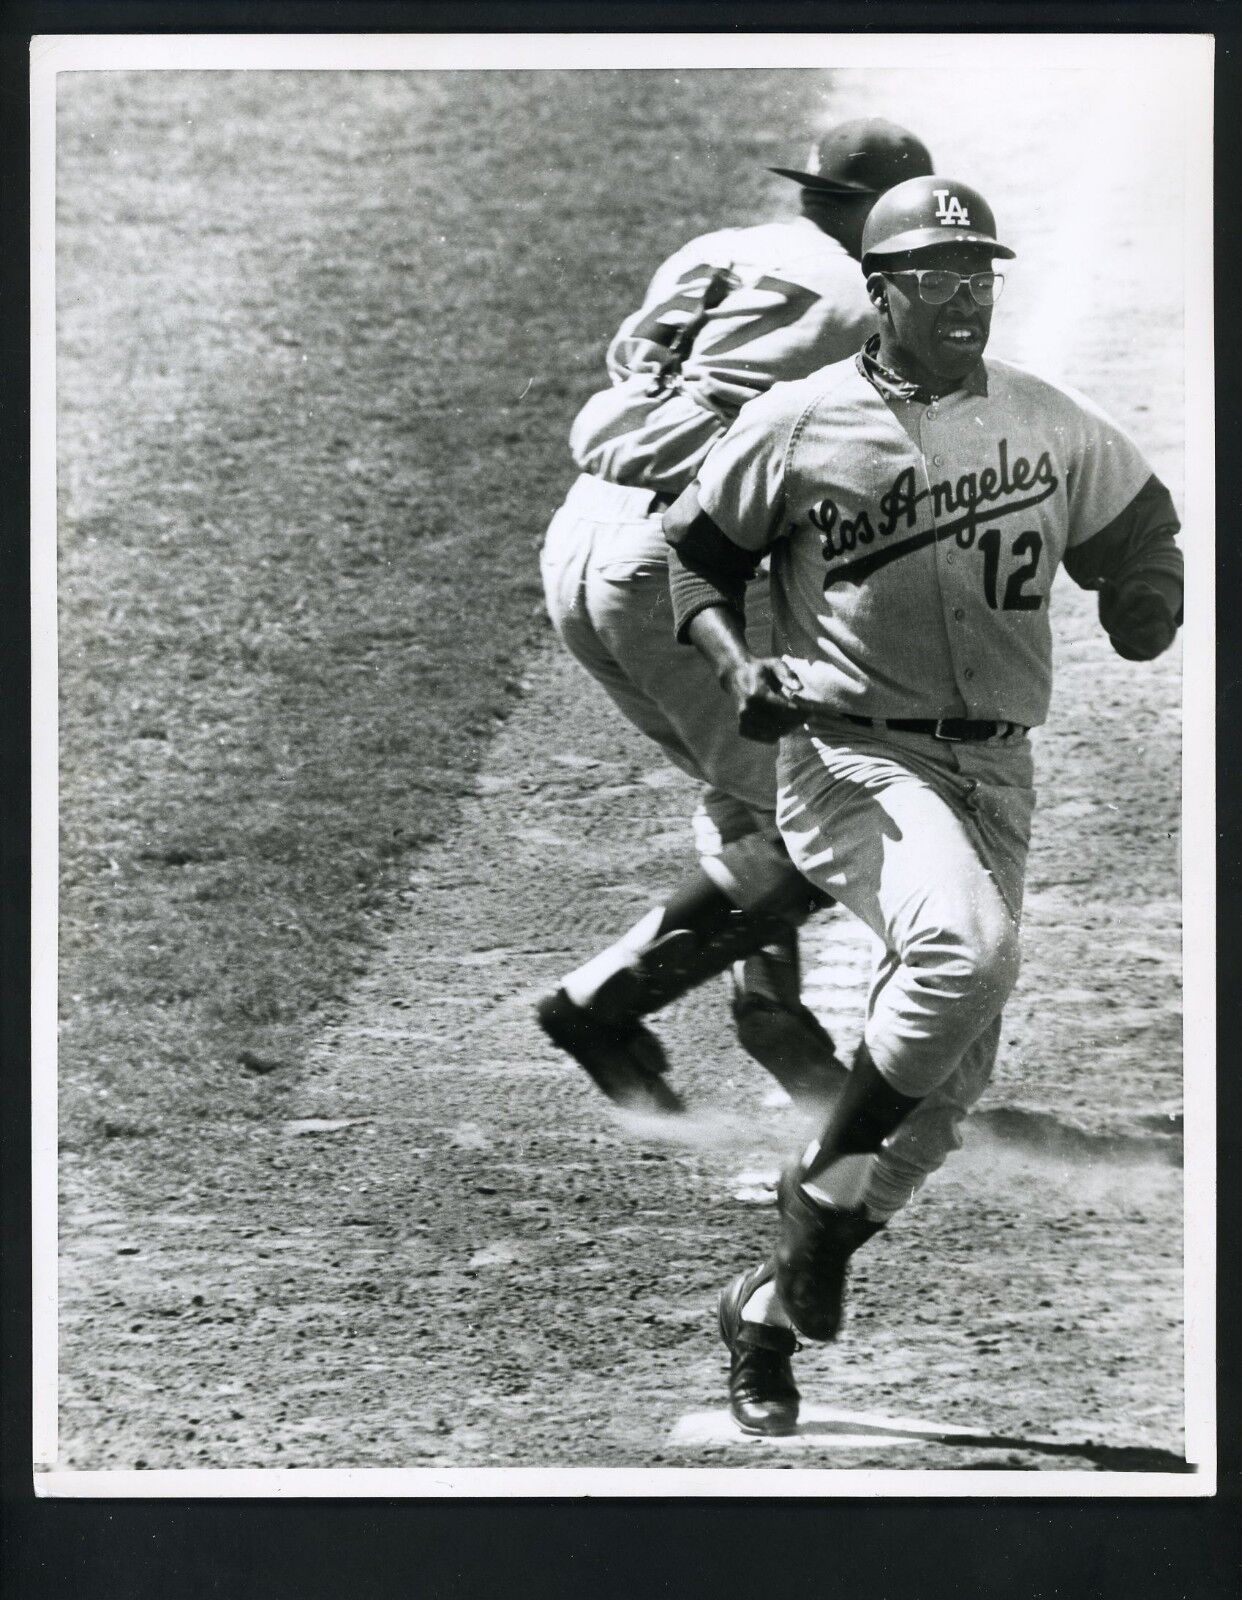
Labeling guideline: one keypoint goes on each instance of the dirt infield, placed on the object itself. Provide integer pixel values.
(449, 1251)
(415, 1237)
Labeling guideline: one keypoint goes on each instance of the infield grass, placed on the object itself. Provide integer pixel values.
(320, 338)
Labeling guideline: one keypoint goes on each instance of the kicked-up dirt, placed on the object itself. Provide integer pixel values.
(433, 1245)
(452, 1251)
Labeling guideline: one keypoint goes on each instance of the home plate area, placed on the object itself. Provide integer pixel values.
(821, 1428)
(829, 1428)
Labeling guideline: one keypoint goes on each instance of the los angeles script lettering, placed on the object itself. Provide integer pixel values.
(967, 499)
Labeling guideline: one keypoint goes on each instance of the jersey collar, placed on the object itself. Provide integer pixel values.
(894, 387)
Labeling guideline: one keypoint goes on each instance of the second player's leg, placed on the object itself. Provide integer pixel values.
(628, 601)
(773, 1025)
(608, 595)
(575, 547)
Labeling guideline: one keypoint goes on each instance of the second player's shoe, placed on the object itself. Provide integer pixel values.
(625, 1061)
(812, 1258)
(763, 1397)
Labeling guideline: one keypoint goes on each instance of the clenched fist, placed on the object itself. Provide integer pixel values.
(1138, 619)
(768, 698)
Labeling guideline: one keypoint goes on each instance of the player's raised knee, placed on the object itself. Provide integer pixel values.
(967, 954)
(997, 959)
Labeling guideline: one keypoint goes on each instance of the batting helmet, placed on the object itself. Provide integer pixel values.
(928, 211)
(864, 156)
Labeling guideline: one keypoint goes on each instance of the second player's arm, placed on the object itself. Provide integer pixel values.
(678, 385)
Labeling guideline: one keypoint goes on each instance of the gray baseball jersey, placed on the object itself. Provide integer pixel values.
(914, 541)
(723, 318)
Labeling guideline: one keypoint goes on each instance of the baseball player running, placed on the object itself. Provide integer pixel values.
(916, 502)
(724, 318)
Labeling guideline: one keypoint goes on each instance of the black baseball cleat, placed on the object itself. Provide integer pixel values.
(789, 1042)
(763, 1397)
(625, 1061)
(812, 1258)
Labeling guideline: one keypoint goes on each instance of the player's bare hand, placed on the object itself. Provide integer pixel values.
(768, 697)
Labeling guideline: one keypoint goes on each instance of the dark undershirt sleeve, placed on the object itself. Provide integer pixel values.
(705, 567)
(1140, 543)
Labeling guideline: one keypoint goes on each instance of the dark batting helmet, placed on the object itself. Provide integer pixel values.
(864, 156)
(923, 212)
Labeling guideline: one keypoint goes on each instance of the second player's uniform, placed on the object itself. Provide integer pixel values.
(725, 317)
(730, 314)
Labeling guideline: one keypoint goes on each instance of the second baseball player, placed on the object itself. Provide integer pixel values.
(724, 318)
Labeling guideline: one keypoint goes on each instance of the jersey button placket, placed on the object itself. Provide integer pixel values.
(943, 547)
(957, 578)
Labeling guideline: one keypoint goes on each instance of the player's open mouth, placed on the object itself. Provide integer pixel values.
(962, 338)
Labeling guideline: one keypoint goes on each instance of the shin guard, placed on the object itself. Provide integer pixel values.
(699, 933)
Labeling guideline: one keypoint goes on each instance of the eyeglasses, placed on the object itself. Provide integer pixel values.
(938, 285)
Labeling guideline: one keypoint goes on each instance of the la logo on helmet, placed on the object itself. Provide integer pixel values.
(950, 211)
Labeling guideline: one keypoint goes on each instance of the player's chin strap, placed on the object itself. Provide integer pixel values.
(749, 897)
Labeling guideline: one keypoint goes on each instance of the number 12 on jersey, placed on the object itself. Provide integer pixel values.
(1027, 548)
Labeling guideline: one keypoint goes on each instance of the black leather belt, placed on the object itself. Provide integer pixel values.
(954, 730)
